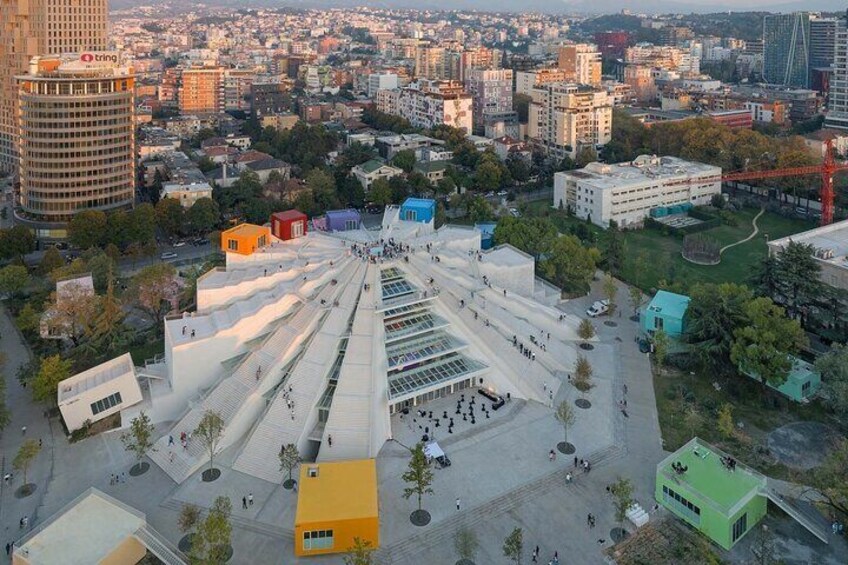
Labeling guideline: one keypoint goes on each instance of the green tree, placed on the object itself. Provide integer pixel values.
(661, 344)
(204, 215)
(763, 346)
(513, 546)
(465, 544)
(635, 298)
(570, 265)
(610, 293)
(585, 330)
(622, 497)
(51, 260)
(141, 223)
(833, 367)
(418, 476)
(170, 215)
(725, 421)
(583, 372)
(26, 453)
(189, 518)
(614, 251)
(138, 440)
(535, 236)
(585, 156)
(16, 242)
(211, 543)
(361, 553)
(404, 160)
(713, 315)
(381, 192)
(478, 209)
(565, 415)
(445, 187)
(206, 164)
(693, 419)
(88, 229)
(488, 176)
(13, 279)
(28, 319)
(829, 478)
(289, 458)
(152, 289)
(796, 276)
(101, 267)
(52, 371)
(209, 430)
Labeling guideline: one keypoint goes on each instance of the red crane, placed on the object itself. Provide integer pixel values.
(827, 169)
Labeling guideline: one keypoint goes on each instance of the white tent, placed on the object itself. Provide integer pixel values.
(432, 450)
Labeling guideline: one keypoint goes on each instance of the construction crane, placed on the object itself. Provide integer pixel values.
(827, 169)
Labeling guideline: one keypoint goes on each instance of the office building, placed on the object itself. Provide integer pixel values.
(564, 118)
(77, 145)
(202, 90)
(837, 116)
(381, 81)
(36, 27)
(829, 249)
(491, 93)
(822, 42)
(627, 192)
(786, 49)
(581, 63)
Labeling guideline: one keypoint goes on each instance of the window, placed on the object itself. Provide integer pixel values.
(318, 539)
(232, 244)
(740, 527)
(658, 323)
(805, 388)
(312, 472)
(105, 404)
(297, 229)
(682, 506)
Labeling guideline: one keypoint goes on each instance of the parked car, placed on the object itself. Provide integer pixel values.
(514, 212)
(168, 255)
(599, 308)
(179, 243)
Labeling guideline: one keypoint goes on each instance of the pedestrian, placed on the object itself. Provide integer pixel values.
(589, 520)
(111, 478)
(23, 430)
(625, 389)
(123, 477)
(568, 477)
(8, 548)
(250, 498)
(39, 442)
(535, 554)
(330, 440)
(171, 456)
(545, 387)
(457, 503)
(244, 503)
(170, 440)
(189, 436)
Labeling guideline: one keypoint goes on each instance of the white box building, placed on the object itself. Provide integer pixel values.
(627, 192)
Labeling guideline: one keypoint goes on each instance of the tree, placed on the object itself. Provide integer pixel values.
(209, 430)
(713, 315)
(16, 242)
(26, 453)
(570, 265)
(661, 344)
(72, 311)
(622, 497)
(829, 478)
(5, 413)
(13, 279)
(565, 415)
(585, 330)
(139, 438)
(582, 374)
(796, 279)
(418, 476)
(52, 371)
(610, 292)
(513, 546)
(101, 266)
(380, 192)
(635, 298)
(725, 421)
(478, 209)
(140, 225)
(289, 459)
(465, 543)
(211, 542)
(614, 251)
(404, 160)
(361, 553)
(764, 547)
(87, 229)
(585, 156)
(535, 236)
(170, 215)
(693, 419)
(51, 260)
(833, 367)
(488, 176)
(28, 319)
(204, 215)
(189, 518)
(152, 287)
(762, 348)
(108, 329)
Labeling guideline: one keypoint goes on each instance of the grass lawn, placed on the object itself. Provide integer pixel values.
(758, 410)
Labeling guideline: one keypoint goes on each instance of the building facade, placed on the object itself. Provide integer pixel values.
(627, 192)
(202, 91)
(786, 49)
(564, 118)
(525, 81)
(581, 63)
(77, 144)
(432, 103)
(381, 81)
(35, 27)
(837, 116)
(491, 93)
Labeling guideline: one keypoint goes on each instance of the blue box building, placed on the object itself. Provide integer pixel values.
(418, 210)
(487, 234)
(665, 312)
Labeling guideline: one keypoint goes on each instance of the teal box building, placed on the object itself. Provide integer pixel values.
(666, 311)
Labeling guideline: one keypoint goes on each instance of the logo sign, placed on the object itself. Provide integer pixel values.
(99, 58)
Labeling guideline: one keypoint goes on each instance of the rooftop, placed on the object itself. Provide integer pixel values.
(341, 490)
(709, 478)
(96, 376)
(669, 304)
(830, 243)
(644, 168)
(246, 230)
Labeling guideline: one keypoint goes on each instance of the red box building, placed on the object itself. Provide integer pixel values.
(288, 225)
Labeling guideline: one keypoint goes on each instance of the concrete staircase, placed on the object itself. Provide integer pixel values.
(160, 547)
(230, 395)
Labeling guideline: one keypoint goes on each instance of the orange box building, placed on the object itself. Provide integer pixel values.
(245, 239)
(337, 503)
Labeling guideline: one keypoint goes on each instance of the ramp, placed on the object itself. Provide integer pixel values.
(800, 510)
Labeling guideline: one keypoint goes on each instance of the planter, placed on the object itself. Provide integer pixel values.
(618, 534)
(420, 518)
(139, 469)
(210, 475)
(288, 484)
(566, 448)
(587, 346)
(25, 490)
(583, 403)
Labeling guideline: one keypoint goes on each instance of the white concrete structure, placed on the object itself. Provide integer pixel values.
(329, 334)
(626, 192)
(186, 193)
(427, 104)
(831, 251)
(381, 81)
(99, 392)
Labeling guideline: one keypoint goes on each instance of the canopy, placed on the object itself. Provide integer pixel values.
(433, 450)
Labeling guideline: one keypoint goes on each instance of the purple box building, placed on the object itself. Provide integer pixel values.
(343, 220)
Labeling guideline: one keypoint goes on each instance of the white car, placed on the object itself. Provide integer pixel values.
(168, 255)
(502, 193)
(599, 308)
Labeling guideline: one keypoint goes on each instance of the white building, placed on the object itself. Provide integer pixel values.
(366, 173)
(837, 115)
(627, 192)
(830, 250)
(381, 81)
(431, 103)
(186, 193)
(99, 392)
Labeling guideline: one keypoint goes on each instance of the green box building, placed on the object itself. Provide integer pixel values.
(721, 501)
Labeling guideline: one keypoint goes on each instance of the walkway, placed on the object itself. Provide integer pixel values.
(749, 238)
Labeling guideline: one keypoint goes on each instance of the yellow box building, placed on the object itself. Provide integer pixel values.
(337, 503)
(245, 239)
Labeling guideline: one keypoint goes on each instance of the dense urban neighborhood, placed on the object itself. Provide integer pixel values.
(301, 283)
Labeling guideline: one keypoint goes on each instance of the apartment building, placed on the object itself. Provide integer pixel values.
(564, 118)
(837, 116)
(381, 81)
(627, 192)
(663, 57)
(77, 144)
(768, 112)
(491, 93)
(581, 63)
(431, 63)
(525, 81)
(35, 27)
(430, 103)
(478, 58)
(202, 90)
